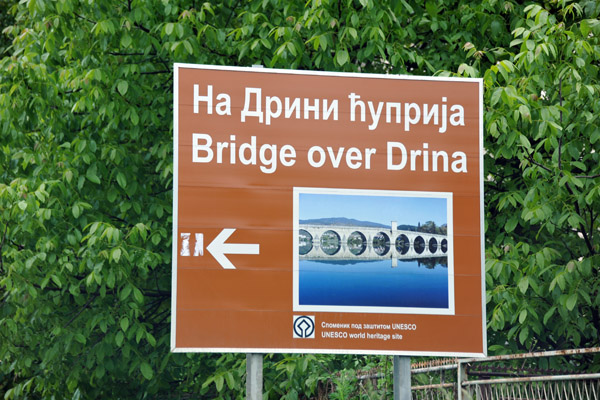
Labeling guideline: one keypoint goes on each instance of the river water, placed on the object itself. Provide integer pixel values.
(374, 283)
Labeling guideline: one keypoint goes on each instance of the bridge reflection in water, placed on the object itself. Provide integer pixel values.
(359, 243)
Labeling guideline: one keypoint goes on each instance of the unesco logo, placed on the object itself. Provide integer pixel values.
(304, 326)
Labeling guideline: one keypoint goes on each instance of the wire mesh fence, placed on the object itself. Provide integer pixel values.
(555, 375)
(574, 387)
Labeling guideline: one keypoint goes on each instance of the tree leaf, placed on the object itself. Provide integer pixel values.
(137, 294)
(523, 284)
(341, 56)
(91, 174)
(219, 380)
(571, 302)
(125, 292)
(524, 335)
(146, 370)
(124, 324)
(522, 315)
(122, 86)
(121, 180)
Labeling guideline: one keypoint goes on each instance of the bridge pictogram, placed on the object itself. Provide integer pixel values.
(344, 242)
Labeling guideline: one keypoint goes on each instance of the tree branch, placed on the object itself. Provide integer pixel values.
(86, 305)
(560, 99)
(231, 14)
(531, 160)
(140, 27)
(156, 72)
(113, 53)
(84, 18)
(587, 176)
(586, 236)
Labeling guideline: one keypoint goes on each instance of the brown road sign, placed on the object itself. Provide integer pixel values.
(320, 212)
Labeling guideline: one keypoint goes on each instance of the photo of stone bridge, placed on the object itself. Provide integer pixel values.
(331, 242)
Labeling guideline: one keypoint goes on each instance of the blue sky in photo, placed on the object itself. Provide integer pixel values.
(380, 209)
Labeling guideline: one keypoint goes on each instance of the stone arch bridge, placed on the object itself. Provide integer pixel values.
(331, 242)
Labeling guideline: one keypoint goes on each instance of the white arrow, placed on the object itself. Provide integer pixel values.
(218, 248)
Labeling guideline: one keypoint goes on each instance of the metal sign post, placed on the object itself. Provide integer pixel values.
(254, 376)
(254, 365)
(402, 378)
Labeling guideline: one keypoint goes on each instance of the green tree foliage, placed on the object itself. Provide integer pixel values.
(86, 173)
(5, 20)
(431, 227)
(543, 199)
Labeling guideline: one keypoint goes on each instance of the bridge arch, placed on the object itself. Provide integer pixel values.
(367, 243)
(305, 242)
(357, 243)
(433, 245)
(419, 244)
(330, 242)
(381, 243)
(402, 244)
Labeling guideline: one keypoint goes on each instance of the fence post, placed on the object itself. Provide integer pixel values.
(461, 372)
(254, 376)
(402, 378)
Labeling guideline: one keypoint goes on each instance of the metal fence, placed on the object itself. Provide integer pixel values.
(552, 375)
